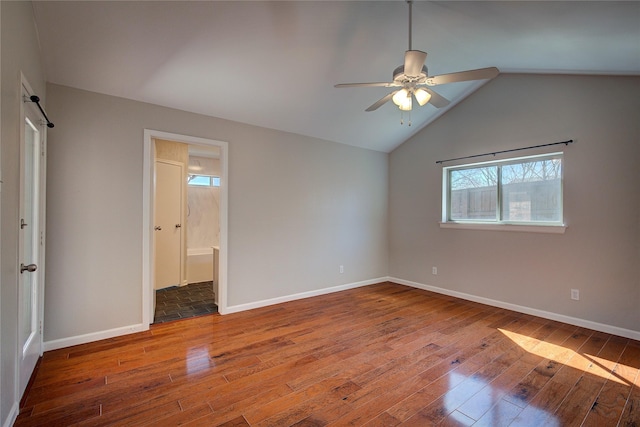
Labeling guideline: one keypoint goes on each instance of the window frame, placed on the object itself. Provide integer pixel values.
(498, 223)
(214, 181)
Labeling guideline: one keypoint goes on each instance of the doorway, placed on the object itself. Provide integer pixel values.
(149, 236)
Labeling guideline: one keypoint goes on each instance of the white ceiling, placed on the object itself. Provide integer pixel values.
(274, 64)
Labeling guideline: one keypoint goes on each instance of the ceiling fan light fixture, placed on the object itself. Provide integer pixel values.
(422, 96)
(400, 97)
(406, 104)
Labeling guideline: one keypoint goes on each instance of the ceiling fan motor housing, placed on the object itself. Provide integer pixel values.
(400, 77)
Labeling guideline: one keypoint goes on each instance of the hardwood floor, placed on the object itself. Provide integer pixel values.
(381, 355)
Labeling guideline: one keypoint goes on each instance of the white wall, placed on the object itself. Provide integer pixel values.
(600, 252)
(203, 207)
(20, 53)
(298, 208)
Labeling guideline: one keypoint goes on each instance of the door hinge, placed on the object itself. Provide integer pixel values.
(41, 327)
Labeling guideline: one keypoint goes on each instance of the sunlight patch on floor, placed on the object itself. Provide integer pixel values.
(585, 362)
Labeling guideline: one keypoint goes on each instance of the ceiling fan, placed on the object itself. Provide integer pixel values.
(413, 81)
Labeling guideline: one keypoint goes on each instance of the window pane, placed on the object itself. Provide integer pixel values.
(202, 180)
(474, 193)
(531, 191)
(215, 181)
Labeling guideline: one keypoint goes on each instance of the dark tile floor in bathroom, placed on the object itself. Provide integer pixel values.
(181, 302)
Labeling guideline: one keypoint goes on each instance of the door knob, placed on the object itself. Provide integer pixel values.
(157, 228)
(178, 225)
(30, 268)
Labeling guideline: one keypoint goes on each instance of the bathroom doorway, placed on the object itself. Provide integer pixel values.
(196, 218)
(204, 253)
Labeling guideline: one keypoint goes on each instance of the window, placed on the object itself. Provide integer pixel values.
(526, 190)
(204, 181)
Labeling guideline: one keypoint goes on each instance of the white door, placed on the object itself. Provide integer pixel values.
(30, 244)
(168, 223)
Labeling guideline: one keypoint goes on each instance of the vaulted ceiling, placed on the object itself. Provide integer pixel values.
(274, 64)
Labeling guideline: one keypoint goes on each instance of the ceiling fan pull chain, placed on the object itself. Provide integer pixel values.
(402, 118)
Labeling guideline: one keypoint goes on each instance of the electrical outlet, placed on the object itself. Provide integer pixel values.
(434, 271)
(341, 269)
(575, 294)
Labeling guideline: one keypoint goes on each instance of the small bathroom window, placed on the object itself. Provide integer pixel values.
(203, 181)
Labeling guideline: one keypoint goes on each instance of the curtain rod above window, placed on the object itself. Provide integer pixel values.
(505, 151)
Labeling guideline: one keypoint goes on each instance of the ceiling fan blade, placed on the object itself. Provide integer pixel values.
(381, 101)
(437, 100)
(463, 76)
(381, 84)
(413, 62)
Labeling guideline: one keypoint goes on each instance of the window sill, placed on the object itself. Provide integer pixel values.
(555, 229)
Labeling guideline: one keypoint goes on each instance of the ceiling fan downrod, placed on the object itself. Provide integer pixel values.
(410, 2)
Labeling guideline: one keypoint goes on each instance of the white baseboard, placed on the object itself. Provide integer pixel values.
(293, 297)
(94, 336)
(627, 333)
(13, 415)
